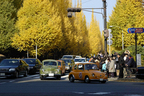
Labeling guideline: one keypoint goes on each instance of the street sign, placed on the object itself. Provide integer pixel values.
(109, 42)
(110, 36)
(139, 59)
(135, 30)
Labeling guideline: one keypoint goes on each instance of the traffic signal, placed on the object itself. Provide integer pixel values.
(106, 33)
(74, 10)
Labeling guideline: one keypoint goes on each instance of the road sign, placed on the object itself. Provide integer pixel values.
(139, 59)
(109, 42)
(135, 30)
(110, 36)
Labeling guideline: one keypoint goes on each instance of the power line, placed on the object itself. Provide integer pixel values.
(86, 1)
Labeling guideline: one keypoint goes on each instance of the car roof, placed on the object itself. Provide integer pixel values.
(60, 60)
(80, 58)
(11, 59)
(85, 63)
(29, 58)
(50, 60)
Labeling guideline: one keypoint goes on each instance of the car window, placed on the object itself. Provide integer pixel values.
(50, 63)
(69, 57)
(75, 67)
(80, 67)
(30, 61)
(59, 63)
(9, 63)
(79, 60)
(91, 67)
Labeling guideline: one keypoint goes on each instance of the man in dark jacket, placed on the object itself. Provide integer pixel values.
(129, 64)
(121, 64)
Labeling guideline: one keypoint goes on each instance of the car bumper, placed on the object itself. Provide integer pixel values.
(101, 80)
(7, 74)
(141, 76)
(47, 75)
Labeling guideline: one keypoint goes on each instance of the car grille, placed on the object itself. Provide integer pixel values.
(3, 69)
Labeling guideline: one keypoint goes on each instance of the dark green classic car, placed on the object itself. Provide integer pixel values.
(50, 69)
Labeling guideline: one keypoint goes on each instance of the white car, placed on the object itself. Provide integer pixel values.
(78, 56)
(79, 60)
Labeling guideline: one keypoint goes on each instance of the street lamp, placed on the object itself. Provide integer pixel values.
(122, 36)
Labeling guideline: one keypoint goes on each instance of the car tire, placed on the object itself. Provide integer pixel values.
(42, 77)
(16, 74)
(26, 74)
(58, 77)
(71, 78)
(87, 80)
(103, 81)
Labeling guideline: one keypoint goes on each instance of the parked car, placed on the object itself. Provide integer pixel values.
(79, 60)
(68, 57)
(87, 72)
(61, 66)
(13, 68)
(69, 63)
(140, 73)
(78, 56)
(34, 64)
(50, 69)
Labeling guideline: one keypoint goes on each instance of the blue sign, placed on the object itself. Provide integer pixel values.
(135, 30)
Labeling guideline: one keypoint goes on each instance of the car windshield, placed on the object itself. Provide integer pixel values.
(79, 60)
(53, 63)
(59, 63)
(69, 57)
(9, 63)
(91, 67)
(30, 61)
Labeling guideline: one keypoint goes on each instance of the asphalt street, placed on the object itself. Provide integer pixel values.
(33, 86)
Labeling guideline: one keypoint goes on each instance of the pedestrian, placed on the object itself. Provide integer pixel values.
(126, 59)
(128, 65)
(112, 67)
(91, 59)
(120, 64)
(107, 66)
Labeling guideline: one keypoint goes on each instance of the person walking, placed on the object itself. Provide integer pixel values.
(112, 67)
(107, 66)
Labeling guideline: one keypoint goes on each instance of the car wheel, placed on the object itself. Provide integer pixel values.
(71, 78)
(42, 77)
(58, 77)
(87, 80)
(26, 74)
(103, 81)
(16, 74)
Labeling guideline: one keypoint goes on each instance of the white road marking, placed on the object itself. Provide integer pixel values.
(79, 92)
(3, 83)
(100, 93)
(64, 76)
(12, 81)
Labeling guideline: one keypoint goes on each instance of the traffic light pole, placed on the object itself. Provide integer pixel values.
(105, 26)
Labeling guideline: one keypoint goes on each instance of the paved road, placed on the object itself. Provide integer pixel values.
(33, 86)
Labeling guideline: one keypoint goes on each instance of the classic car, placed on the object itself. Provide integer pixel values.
(79, 60)
(140, 73)
(34, 64)
(13, 68)
(61, 66)
(69, 63)
(87, 72)
(50, 69)
(68, 57)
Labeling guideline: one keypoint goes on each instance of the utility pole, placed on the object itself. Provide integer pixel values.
(105, 26)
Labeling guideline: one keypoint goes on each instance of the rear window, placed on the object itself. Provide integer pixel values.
(30, 61)
(69, 57)
(52, 63)
(59, 63)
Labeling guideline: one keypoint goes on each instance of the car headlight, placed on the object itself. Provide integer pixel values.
(12, 69)
(42, 70)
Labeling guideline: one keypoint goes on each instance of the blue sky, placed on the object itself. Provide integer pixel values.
(97, 4)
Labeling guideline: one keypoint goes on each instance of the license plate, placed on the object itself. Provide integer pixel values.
(2, 74)
(51, 74)
(101, 79)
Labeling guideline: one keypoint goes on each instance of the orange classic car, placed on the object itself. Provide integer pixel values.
(87, 72)
(61, 66)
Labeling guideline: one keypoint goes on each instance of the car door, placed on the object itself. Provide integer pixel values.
(80, 72)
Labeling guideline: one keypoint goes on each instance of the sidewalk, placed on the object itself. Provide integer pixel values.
(131, 79)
